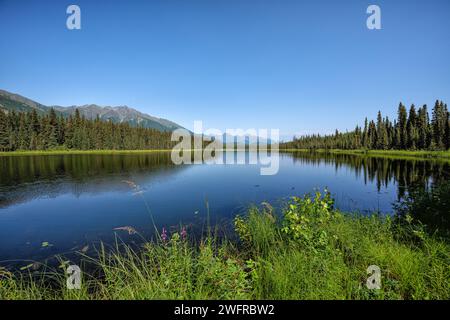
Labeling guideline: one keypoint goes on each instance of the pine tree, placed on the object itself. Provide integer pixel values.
(382, 139)
(12, 123)
(422, 128)
(447, 130)
(22, 135)
(372, 135)
(402, 126)
(365, 135)
(4, 136)
(411, 129)
(447, 135)
(438, 124)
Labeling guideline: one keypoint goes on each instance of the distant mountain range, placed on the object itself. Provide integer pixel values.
(11, 101)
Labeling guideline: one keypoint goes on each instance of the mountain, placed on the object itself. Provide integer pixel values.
(10, 101)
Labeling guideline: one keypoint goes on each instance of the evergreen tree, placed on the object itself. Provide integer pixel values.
(438, 124)
(365, 137)
(407, 132)
(372, 135)
(402, 126)
(4, 136)
(23, 137)
(447, 128)
(411, 129)
(382, 138)
(422, 128)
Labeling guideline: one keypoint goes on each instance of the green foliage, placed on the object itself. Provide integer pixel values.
(314, 252)
(325, 254)
(305, 219)
(33, 131)
(408, 132)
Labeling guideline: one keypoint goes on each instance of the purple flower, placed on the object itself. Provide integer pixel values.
(164, 234)
(183, 233)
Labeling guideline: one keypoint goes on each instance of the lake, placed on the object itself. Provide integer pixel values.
(70, 201)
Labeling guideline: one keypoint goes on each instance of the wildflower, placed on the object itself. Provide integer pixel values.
(183, 233)
(164, 234)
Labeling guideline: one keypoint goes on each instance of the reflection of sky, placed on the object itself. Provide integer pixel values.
(68, 214)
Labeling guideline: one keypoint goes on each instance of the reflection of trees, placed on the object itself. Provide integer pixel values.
(405, 173)
(431, 207)
(25, 177)
(423, 185)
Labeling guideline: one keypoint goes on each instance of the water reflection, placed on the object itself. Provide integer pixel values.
(407, 174)
(23, 178)
(72, 201)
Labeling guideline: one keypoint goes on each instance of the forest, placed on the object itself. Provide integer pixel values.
(413, 130)
(31, 131)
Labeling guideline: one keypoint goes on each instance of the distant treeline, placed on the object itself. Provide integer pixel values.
(410, 131)
(31, 131)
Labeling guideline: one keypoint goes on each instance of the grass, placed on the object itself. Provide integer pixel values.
(310, 251)
(406, 154)
(68, 151)
(397, 154)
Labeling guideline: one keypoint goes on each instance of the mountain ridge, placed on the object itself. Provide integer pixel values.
(117, 114)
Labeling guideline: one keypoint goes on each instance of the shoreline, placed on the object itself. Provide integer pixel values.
(423, 154)
(275, 260)
(69, 152)
(398, 154)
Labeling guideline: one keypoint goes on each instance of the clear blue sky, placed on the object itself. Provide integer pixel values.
(300, 66)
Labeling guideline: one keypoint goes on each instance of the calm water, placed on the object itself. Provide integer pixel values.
(71, 201)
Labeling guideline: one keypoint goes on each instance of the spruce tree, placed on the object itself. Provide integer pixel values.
(402, 126)
(411, 129)
(382, 138)
(447, 130)
(4, 141)
(365, 135)
(422, 128)
(438, 124)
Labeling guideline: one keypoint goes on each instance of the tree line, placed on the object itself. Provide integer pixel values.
(413, 130)
(31, 131)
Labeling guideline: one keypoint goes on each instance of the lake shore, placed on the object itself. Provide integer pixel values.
(372, 153)
(69, 152)
(407, 154)
(311, 252)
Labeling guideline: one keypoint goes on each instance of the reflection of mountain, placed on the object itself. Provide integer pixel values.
(244, 140)
(23, 178)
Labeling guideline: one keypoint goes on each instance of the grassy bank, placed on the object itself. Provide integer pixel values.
(311, 251)
(382, 153)
(66, 151)
(373, 153)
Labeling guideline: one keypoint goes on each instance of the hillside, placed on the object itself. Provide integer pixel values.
(120, 114)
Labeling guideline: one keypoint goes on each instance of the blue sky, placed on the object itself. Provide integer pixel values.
(300, 66)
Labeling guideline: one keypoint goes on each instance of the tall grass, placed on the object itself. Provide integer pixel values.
(309, 251)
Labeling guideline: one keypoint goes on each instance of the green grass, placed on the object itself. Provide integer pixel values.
(310, 251)
(405, 154)
(68, 151)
